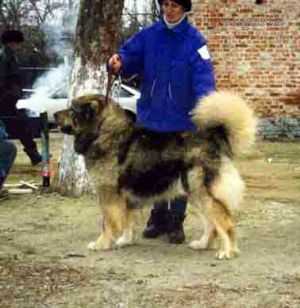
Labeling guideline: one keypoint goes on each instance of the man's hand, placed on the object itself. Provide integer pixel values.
(115, 63)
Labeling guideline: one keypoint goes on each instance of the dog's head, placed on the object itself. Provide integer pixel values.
(83, 120)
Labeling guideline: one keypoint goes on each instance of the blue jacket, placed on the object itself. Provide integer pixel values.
(173, 71)
(3, 133)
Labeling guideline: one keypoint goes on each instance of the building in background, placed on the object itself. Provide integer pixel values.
(255, 46)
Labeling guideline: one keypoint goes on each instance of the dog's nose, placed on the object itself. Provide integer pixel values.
(67, 129)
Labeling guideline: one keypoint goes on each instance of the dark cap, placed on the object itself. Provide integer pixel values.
(9, 36)
(186, 4)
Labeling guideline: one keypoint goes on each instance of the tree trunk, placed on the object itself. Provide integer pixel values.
(96, 39)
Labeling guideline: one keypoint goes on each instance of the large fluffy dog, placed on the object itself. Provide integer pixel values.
(132, 167)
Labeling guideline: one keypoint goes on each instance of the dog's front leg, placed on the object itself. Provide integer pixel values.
(105, 240)
(114, 212)
(128, 236)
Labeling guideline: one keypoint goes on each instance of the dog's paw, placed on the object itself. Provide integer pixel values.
(123, 241)
(198, 245)
(226, 255)
(99, 245)
(92, 246)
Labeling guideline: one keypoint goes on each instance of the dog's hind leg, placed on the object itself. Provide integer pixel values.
(224, 225)
(226, 191)
(235, 248)
(208, 237)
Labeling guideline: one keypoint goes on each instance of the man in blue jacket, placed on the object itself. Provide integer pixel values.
(173, 61)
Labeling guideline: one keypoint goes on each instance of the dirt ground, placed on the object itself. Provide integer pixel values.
(44, 261)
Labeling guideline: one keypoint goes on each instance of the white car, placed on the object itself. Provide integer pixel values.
(39, 100)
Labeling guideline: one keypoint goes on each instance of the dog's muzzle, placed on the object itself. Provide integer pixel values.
(68, 129)
(83, 141)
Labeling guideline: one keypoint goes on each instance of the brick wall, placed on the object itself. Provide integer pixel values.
(256, 52)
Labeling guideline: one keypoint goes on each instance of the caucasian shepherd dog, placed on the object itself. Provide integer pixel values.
(132, 167)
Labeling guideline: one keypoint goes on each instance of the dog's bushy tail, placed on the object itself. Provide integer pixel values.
(230, 113)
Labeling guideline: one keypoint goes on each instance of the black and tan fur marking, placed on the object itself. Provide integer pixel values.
(132, 167)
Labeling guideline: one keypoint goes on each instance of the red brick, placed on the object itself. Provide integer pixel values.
(232, 43)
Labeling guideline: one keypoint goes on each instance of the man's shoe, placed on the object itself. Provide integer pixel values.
(176, 236)
(36, 160)
(34, 155)
(157, 223)
(152, 231)
(175, 228)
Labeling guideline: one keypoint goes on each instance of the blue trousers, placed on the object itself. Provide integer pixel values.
(8, 152)
(177, 206)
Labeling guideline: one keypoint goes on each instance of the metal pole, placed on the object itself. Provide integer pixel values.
(45, 150)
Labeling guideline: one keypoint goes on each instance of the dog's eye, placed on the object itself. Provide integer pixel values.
(88, 113)
(82, 115)
(74, 115)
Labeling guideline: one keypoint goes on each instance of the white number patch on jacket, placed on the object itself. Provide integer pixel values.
(203, 52)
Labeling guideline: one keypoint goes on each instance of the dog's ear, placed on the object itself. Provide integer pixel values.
(95, 105)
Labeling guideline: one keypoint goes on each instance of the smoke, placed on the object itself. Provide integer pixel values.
(59, 32)
(50, 91)
(53, 79)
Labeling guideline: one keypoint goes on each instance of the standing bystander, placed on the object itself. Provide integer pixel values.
(8, 153)
(11, 91)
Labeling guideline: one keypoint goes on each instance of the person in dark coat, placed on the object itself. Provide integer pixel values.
(172, 59)
(11, 92)
(8, 152)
